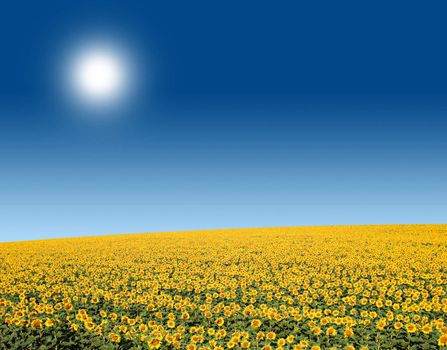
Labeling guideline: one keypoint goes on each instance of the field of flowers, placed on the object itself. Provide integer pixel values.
(339, 287)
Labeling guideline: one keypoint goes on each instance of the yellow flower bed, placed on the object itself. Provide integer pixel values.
(341, 287)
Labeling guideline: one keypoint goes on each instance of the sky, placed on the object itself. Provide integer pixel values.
(246, 114)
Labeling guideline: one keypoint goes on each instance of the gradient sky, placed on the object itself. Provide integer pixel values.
(249, 114)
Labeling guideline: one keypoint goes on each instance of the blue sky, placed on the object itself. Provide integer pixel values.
(249, 114)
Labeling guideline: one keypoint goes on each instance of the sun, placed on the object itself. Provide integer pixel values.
(99, 75)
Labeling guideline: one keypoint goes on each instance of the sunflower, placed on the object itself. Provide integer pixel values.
(245, 344)
(281, 342)
(256, 323)
(316, 330)
(260, 335)
(349, 332)
(114, 337)
(231, 344)
(381, 324)
(331, 331)
(290, 339)
(398, 325)
(154, 343)
(36, 324)
(89, 325)
(442, 341)
(411, 328)
(426, 329)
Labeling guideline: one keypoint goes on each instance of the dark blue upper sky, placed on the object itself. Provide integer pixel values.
(249, 114)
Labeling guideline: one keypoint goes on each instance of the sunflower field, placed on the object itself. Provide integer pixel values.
(333, 287)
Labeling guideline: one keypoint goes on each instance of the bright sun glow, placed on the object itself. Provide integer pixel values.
(99, 75)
